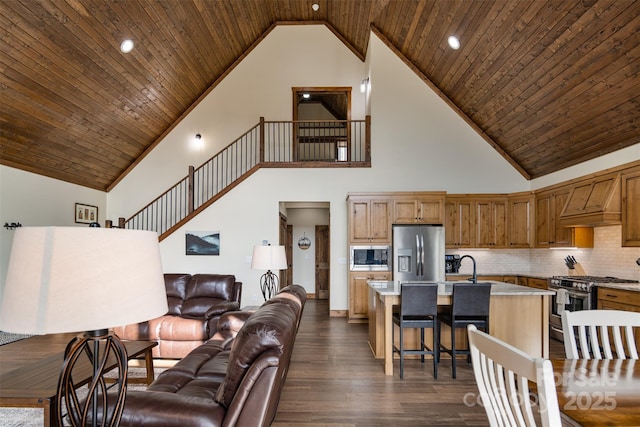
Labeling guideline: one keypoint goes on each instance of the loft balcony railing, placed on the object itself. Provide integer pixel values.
(334, 143)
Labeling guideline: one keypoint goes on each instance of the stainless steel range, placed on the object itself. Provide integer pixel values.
(574, 293)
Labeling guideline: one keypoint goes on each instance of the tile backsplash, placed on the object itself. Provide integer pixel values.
(606, 258)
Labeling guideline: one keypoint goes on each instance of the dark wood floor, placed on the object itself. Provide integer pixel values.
(335, 381)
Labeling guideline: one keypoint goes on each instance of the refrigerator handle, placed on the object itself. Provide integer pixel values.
(421, 255)
(418, 254)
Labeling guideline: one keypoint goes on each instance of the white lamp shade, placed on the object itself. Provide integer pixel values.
(269, 258)
(71, 279)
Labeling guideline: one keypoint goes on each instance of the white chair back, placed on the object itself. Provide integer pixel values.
(588, 334)
(502, 373)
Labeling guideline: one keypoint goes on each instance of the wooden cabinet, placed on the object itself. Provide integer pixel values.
(482, 278)
(488, 221)
(359, 293)
(459, 223)
(419, 209)
(491, 223)
(594, 201)
(620, 299)
(520, 217)
(369, 221)
(549, 231)
(537, 283)
(631, 208)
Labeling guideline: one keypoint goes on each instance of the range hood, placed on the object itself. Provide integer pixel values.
(593, 203)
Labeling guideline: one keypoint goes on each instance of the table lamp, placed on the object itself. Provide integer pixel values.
(72, 279)
(269, 258)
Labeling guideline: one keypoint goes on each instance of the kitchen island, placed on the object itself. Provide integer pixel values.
(519, 315)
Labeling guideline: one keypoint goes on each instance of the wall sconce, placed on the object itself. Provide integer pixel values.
(197, 143)
(12, 226)
(364, 84)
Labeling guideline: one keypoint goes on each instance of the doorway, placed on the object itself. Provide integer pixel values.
(322, 116)
(307, 244)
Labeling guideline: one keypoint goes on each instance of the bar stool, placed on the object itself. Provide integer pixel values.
(418, 309)
(469, 306)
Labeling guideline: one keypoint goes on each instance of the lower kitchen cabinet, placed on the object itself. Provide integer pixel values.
(533, 282)
(359, 293)
(620, 299)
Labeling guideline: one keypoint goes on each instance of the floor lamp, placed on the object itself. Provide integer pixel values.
(269, 258)
(72, 279)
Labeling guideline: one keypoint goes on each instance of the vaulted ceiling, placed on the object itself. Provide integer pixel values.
(547, 83)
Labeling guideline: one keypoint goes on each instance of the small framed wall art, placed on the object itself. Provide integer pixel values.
(86, 214)
(202, 242)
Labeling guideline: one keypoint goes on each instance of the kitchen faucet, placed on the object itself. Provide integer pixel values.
(474, 279)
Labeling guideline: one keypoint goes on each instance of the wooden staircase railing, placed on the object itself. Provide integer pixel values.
(335, 143)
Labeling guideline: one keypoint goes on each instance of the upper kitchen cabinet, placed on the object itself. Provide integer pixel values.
(549, 231)
(491, 222)
(631, 208)
(520, 218)
(369, 219)
(459, 223)
(593, 202)
(416, 208)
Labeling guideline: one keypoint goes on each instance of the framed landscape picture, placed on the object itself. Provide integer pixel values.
(86, 214)
(202, 242)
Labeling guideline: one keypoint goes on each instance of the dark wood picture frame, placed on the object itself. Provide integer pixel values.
(85, 214)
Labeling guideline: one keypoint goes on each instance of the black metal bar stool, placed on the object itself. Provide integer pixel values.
(418, 309)
(469, 306)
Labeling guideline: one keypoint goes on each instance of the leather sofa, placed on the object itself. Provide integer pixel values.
(196, 303)
(234, 379)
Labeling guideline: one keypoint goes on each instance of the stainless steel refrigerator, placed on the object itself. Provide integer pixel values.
(418, 252)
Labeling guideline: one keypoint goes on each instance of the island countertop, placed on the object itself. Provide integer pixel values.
(446, 288)
(519, 315)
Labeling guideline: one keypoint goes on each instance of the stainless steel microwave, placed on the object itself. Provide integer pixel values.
(370, 258)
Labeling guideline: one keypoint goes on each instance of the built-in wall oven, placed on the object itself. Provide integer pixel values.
(574, 293)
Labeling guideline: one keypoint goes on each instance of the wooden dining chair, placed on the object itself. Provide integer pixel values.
(588, 334)
(418, 310)
(503, 373)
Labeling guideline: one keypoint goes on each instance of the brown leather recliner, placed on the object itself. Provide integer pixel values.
(196, 302)
(234, 379)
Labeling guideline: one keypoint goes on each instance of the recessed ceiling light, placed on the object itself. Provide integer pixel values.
(306, 95)
(315, 7)
(126, 46)
(454, 42)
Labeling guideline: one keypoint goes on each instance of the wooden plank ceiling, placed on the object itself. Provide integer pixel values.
(548, 83)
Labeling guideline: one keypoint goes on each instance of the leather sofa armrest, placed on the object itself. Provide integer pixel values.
(229, 324)
(155, 408)
(221, 308)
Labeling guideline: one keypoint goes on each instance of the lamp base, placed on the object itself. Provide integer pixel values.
(269, 284)
(104, 352)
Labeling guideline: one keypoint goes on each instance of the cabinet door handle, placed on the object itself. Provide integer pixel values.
(612, 296)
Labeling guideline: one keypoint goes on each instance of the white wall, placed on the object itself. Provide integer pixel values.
(445, 153)
(290, 56)
(35, 200)
(407, 117)
(620, 157)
